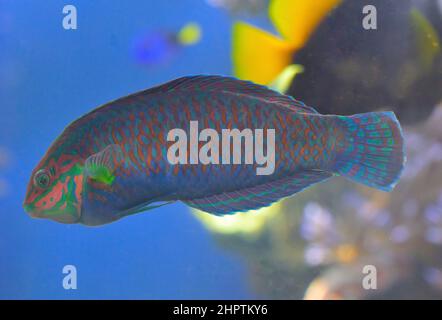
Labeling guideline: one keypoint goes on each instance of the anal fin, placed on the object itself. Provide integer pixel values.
(258, 196)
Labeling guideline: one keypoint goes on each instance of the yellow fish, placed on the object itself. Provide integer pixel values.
(284, 79)
(260, 56)
(426, 38)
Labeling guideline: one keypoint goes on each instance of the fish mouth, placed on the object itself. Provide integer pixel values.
(61, 218)
(31, 211)
(66, 219)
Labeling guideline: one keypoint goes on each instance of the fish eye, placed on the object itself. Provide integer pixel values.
(42, 179)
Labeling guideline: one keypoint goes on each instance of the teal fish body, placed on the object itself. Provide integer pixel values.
(121, 152)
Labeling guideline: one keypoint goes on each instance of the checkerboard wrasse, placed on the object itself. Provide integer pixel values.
(112, 162)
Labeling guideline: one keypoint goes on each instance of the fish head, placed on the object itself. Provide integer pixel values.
(55, 190)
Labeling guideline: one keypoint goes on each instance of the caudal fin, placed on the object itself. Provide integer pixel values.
(371, 151)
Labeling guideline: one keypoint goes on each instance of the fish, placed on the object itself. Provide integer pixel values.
(426, 39)
(294, 20)
(285, 78)
(113, 162)
(160, 46)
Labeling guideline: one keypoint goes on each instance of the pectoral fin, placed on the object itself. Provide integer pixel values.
(101, 166)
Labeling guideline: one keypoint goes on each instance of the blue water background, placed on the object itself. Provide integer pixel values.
(50, 77)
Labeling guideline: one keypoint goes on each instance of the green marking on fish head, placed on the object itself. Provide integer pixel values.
(55, 189)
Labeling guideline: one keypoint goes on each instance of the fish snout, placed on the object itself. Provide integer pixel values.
(31, 210)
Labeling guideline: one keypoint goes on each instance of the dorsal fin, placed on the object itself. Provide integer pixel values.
(229, 84)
